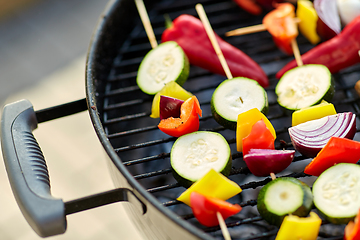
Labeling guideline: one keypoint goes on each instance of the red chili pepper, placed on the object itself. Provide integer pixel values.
(337, 150)
(188, 121)
(281, 25)
(250, 6)
(190, 34)
(260, 137)
(205, 209)
(352, 229)
(337, 53)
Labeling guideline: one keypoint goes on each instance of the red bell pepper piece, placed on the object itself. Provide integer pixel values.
(281, 25)
(352, 229)
(189, 32)
(337, 150)
(250, 6)
(188, 121)
(205, 209)
(337, 53)
(260, 137)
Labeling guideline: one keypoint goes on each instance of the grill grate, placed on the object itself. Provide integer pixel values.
(145, 150)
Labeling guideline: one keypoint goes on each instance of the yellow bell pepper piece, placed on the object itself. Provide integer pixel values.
(171, 89)
(212, 184)
(320, 110)
(245, 122)
(296, 228)
(308, 20)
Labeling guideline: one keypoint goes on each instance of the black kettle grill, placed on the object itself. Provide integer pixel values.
(138, 152)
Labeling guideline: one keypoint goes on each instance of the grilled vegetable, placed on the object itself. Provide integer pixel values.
(284, 196)
(250, 6)
(165, 63)
(212, 184)
(235, 96)
(205, 209)
(305, 86)
(295, 228)
(337, 150)
(348, 10)
(193, 155)
(189, 32)
(260, 137)
(245, 121)
(170, 107)
(171, 89)
(337, 53)
(328, 25)
(262, 162)
(310, 137)
(308, 20)
(336, 193)
(281, 25)
(320, 110)
(352, 229)
(188, 121)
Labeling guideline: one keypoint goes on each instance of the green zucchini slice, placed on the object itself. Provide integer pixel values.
(305, 86)
(194, 154)
(235, 96)
(283, 196)
(165, 63)
(337, 193)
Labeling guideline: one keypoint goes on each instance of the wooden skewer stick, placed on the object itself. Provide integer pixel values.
(223, 227)
(146, 22)
(250, 29)
(296, 51)
(201, 12)
(273, 176)
(246, 30)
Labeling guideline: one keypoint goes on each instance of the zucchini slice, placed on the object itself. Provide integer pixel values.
(305, 86)
(337, 193)
(165, 63)
(283, 196)
(235, 96)
(194, 154)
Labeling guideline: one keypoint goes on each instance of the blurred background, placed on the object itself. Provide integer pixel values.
(43, 47)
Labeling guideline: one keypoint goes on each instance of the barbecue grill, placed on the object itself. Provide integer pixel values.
(138, 152)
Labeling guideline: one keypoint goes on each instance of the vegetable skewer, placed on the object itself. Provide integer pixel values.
(165, 63)
(250, 29)
(201, 12)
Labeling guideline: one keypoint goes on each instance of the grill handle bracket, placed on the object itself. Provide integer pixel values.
(27, 171)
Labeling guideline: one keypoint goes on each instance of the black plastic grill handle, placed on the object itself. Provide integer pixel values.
(27, 170)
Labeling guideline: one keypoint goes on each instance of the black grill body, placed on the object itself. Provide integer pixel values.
(139, 152)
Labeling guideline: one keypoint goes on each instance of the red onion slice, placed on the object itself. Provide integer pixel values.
(170, 107)
(262, 162)
(328, 24)
(310, 137)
